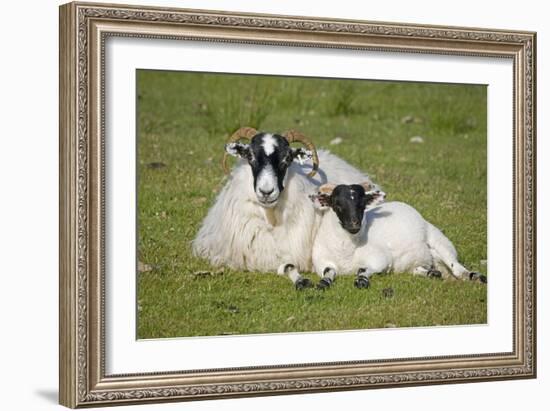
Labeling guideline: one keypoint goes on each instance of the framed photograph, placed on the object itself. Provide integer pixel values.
(261, 205)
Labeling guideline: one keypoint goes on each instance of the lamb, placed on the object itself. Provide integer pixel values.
(362, 234)
(262, 219)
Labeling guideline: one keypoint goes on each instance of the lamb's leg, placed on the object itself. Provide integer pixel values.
(363, 277)
(374, 260)
(443, 250)
(458, 270)
(290, 270)
(329, 275)
(427, 272)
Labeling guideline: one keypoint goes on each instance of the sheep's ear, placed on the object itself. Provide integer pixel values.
(238, 149)
(373, 198)
(301, 155)
(320, 201)
(327, 188)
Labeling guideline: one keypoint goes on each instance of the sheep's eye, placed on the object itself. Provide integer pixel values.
(337, 208)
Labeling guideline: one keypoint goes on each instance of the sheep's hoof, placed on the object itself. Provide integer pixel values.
(303, 283)
(324, 284)
(361, 282)
(434, 274)
(478, 277)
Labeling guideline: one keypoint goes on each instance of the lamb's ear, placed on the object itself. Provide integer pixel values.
(373, 198)
(321, 200)
(237, 149)
(301, 155)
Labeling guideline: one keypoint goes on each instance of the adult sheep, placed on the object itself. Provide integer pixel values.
(262, 219)
(359, 234)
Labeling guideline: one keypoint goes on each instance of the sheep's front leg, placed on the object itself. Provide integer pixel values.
(328, 277)
(325, 268)
(378, 261)
(362, 280)
(290, 270)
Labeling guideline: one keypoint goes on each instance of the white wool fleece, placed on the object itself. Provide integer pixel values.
(237, 233)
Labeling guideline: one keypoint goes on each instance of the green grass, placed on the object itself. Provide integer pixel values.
(183, 121)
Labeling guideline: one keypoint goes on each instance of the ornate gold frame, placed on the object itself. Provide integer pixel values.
(83, 30)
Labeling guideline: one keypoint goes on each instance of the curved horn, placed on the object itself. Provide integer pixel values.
(244, 132)
(295, 136)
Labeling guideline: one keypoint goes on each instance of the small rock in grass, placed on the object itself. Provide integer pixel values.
(155, 165)
(205, 273)
(233, 309)
(390, 325)
(291, 318)
(483, 262)
(143, 268)
(162, 214)
(202, 274)
(388, 292)
(416, 139)
(471, 122)
(336, 141)
(411, 119)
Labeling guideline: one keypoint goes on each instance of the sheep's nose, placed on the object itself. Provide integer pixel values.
(355, 222)
(266, 192)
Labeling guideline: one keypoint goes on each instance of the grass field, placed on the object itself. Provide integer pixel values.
(183, 121)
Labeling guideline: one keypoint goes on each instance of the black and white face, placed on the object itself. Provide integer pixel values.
(269, 156)
(349, 202)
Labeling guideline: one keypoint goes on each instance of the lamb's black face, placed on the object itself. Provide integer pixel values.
(349, 203)
(269, 156)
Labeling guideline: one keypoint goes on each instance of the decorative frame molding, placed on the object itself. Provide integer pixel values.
(83, 30)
